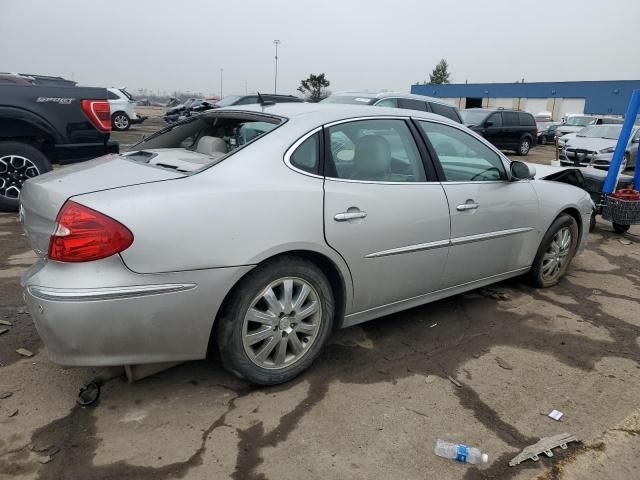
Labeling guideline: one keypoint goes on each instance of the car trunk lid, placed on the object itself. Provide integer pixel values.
(42, 197)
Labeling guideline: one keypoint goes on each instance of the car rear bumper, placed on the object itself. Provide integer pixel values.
(102, 314)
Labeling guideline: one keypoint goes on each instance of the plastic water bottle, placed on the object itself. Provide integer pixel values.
(460, 452)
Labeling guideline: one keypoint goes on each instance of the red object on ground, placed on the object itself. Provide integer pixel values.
(627, 194)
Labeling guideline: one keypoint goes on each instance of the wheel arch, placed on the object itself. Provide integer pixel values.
(339, 280)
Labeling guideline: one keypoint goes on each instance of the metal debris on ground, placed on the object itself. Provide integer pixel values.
(434, 325)
(3, 330)
(88, 394)
(555, 414)
(6, 322)
(503, 364)
(4, 395)
(544, 445)
(13, 413)
(624, 241)
(454, 381)
(24, 352)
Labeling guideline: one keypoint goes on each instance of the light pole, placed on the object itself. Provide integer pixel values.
(221, 70)
(275, 81)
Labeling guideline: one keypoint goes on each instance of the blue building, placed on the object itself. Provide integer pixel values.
(608, 97)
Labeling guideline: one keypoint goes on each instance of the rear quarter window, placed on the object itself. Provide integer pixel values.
(526, 119)
(445, 111)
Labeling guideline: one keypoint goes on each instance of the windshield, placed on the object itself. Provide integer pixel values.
(612, 132)
(349, 99)
(212, 134)
(228, 101)
(473, 117)
(580, 121)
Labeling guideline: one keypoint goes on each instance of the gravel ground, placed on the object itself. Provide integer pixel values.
(375, 402)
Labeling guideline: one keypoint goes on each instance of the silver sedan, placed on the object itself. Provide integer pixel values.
(258, 230)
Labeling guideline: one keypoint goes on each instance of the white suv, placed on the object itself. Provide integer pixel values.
(123, 113)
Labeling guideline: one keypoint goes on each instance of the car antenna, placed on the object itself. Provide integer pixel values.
(264, 102)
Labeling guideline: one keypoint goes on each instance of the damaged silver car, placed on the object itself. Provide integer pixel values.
(257, 230)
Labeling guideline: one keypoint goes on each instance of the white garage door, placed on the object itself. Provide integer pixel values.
(536, 105)
(503, 103)
(571, 105)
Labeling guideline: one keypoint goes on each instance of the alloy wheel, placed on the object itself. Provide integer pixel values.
(282, 323)
(524, 147)
(14, 171)
(121, 122)
(557, 254)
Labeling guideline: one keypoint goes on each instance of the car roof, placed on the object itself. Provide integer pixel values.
(316, 114)
(382, 95)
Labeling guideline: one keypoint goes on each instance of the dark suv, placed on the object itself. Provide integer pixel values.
(506, 129)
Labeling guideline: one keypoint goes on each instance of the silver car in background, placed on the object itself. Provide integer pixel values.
(594, 146)
(264, 228)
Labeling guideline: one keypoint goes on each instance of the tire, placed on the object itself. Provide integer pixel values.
(592, 222)
(523, 147)
(620, 229)
(244, 359)
(625, 163)
(120, 121)
(544, 273)
(543, 140)
(18, 162)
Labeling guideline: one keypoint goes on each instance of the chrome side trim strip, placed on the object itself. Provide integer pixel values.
(489, 235)
(106, 293)
(445, 243)
(409, 249)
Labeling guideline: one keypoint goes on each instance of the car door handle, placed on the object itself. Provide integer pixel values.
(467, 206)
(345, 216)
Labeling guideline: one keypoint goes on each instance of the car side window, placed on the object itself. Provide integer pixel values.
(247, 101)
(445, 111)
(306, 156)
(527, 119)
(495, 119)
(388, 102)
(463, 157)
(412, 104)
(112, 96)
(510, 119)
(378, 150)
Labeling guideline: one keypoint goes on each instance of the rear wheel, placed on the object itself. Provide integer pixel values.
(120, 121)
(18, 162)
(555, 253)
(524, 147)
(276, 321)
(543, 140)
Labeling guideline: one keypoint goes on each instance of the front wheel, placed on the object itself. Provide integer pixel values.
(524, 146)
(555, 253)
(276, 322)
(120, 121)
(18, 162)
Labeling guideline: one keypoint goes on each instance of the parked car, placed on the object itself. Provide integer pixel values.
(301, 218)
(409, 101)
(235, 100)
(123, 109)
(594, 146)
(506, 129)
(185, 109)
(575, 123)
(41, 126)
(547, 132)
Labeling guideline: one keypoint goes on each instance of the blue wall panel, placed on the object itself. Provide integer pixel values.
(602, 97)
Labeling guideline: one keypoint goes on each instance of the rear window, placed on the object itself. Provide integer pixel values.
(210, 136)
(445, 111)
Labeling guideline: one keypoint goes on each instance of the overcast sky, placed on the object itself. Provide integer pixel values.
(169, 45)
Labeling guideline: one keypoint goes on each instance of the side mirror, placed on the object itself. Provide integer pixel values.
(522, 171)
(488, 124)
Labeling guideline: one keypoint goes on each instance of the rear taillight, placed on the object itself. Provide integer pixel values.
(99, 113)
(82, 235)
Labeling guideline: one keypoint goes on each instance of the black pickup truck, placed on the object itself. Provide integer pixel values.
(43, 125)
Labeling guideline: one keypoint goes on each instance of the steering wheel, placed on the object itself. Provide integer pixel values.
(485, 171)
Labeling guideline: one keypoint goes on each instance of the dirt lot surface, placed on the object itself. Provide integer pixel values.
(371, 407)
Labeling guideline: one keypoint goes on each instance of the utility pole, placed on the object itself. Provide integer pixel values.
(275, 82)
(221, 70)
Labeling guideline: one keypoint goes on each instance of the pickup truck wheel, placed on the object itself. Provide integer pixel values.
(18, 162)
(524, 147)
(120, 121)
